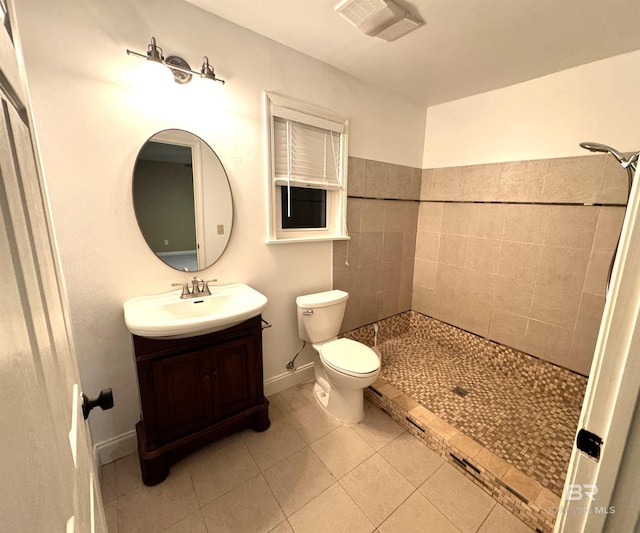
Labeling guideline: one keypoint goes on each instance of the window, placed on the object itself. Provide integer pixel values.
(307, 172)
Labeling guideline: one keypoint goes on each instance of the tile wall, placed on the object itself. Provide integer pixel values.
(510, 251)
(376, 265)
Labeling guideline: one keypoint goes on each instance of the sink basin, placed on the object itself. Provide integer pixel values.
(168, 316)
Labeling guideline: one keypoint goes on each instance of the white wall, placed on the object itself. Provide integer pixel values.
(91, 122)
(542, 118)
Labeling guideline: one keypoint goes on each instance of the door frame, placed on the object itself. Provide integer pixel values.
(612, 390)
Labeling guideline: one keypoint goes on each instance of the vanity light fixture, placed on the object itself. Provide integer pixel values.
(181, 70)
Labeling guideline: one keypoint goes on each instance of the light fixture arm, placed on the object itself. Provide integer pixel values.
(181, 70)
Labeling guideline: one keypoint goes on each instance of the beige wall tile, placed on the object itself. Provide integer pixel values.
(487, 220)
(344, 280)
(597, 273)
(376, 178)
(354, 208)
(513, 295)
(416, 184)
(481, 182)
(522, 181)
(483, 254)
(370, 248)
(476, 286)
(406, 271)
(352, 251)
(453, 249)
(448, 280)
(574, 179)
(408, 245)
(355, 179)
(555, 306)
(563, 268)
(571, 226)
(425, 184)
(401, 182)
(585, 335)
(369, 279)
(446, 307)
(424, 274)
(614, 188)
(608, 228)
(428, 245)
(400, 216)
(446, 183)
(525, 223)
(548, 342)
(430, 216)
(371, 215)
(423, 300)
(508, 328)
(393, 247)
(519, 260)
(475, 317)
(455, 218)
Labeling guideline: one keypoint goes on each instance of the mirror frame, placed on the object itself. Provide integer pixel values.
(181, 137)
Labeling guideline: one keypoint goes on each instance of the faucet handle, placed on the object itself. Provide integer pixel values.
(185, 289)
(206, 289)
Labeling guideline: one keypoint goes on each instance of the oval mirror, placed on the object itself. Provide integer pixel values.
(182, 200)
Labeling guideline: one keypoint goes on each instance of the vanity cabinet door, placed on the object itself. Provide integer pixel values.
(234, 369)
(182, 390)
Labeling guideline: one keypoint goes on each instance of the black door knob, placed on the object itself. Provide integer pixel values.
(104, 401)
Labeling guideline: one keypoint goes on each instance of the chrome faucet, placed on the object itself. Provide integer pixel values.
(198, 288)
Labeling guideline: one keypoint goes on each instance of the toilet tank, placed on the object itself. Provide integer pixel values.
(324, 320)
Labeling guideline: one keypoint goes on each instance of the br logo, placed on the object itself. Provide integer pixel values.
(577, 491)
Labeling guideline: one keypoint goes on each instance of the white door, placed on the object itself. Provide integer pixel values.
(47, 475)
(588, 502)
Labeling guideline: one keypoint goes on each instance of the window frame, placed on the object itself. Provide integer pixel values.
(336, 199)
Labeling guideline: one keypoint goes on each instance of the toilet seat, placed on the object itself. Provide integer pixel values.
(349, 357)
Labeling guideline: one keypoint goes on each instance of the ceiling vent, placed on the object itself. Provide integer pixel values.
(378, 18)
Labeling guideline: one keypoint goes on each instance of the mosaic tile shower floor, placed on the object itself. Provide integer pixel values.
(530, 428)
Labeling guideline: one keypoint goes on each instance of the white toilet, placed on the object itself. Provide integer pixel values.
(344, 368)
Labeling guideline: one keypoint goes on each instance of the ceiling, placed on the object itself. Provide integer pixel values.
(466, 47)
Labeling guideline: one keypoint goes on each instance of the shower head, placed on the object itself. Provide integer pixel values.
(597, 147)
(628, 164)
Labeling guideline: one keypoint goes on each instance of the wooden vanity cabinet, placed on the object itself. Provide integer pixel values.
(196, 390)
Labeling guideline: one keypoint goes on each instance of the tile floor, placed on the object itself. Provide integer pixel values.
(306, 473)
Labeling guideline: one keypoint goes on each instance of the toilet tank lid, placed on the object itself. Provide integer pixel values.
(322, 299)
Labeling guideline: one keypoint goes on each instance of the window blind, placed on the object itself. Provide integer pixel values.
(306, 155)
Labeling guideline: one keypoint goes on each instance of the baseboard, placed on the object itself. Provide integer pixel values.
(288, 379)
(115, 448)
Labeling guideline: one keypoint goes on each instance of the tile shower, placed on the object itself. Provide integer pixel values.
(508, 266)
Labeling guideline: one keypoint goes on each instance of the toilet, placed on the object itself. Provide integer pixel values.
(343, 368)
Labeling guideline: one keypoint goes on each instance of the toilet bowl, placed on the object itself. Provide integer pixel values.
(343, 368)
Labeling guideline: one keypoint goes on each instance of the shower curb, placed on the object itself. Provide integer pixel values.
(523, 496)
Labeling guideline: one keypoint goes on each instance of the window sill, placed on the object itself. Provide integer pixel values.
(308, 239)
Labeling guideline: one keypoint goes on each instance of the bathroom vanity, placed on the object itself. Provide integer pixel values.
(195, 390)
